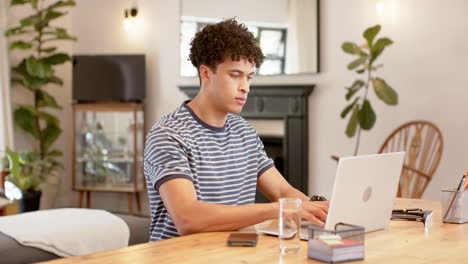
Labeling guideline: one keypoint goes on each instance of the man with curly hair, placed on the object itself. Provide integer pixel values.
(203, 162)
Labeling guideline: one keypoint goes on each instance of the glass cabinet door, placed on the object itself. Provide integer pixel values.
(108, 149)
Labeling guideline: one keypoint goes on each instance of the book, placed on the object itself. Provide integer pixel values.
(336, 250)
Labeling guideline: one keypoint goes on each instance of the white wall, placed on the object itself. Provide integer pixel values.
(426, 65)
(245, 10)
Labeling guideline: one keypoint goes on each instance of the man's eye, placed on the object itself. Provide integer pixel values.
(235, 76)
(249, 78)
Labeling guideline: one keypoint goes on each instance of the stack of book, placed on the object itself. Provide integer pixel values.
(335, 250)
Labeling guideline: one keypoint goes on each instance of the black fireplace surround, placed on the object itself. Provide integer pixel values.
(290, 104)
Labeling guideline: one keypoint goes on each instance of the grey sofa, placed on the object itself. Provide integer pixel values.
(13, 252)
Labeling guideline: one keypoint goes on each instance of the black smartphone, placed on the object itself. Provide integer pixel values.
(242, 239)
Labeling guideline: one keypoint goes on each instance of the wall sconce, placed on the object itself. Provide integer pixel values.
(130, 16)
(131, 13)
(379, 8)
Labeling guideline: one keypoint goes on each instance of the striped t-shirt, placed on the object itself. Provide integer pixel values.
(222, 162)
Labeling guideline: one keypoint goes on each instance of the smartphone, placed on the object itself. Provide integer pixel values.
(242, 239)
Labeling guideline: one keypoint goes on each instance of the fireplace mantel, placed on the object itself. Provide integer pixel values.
(288, 103)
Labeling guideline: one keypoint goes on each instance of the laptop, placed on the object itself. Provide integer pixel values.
(363, 193)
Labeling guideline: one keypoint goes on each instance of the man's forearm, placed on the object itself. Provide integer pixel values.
(207, 217)
(294, 193)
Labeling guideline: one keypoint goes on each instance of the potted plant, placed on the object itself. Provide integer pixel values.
(362, 113)
(27, 171)
(35, 73)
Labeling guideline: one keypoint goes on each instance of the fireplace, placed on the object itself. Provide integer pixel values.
(289, 104)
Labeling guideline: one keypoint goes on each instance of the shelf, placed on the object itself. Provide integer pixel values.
(111, 159)
(108, 189)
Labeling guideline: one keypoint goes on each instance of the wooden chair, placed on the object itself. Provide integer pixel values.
(423, 143)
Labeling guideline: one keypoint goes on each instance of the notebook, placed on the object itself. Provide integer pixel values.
(363, 193)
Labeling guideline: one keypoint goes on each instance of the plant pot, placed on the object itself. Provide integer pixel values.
(30, 201)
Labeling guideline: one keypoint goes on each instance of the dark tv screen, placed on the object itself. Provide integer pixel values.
(108, 78)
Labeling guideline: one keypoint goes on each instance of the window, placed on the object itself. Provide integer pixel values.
(272, 42)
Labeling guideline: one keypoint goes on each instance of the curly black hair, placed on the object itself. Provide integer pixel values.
(212, 45)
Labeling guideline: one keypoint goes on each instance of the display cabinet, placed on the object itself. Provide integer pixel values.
(108, 142)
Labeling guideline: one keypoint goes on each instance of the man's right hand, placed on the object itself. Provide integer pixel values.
(315, 212)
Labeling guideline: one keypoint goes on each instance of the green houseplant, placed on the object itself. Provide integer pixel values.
(35, 73)
(362, 114)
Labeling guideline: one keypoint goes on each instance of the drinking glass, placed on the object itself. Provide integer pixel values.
(289, 225)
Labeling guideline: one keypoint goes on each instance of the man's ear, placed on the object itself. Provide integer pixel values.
(205, 73)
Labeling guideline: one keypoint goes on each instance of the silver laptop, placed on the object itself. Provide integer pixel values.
(363, 193)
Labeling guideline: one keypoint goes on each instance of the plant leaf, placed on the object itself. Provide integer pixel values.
(370, 33)
(379, 46)
(384, 92)
(49, 50)
(37, 68)
(381, 43)
(351, 48)
(58, 58)
(360, 71)
(13, 161)
(51, 133)
(61, 4)
(351, 92)
(55, 153)
(19, 2)
(30, 20)
(15, 31)
(28, 81)
(62, 33)
(366, 116)
(354, 64)
(348, 108)
(50, 119)
(51, 15)
(20, 45)
(20, 68)
(24, 118)
(44, 99)
(353, 122)
(56, 80)
(34, 3)
(33, 83)
(358, 84)
(52, 130)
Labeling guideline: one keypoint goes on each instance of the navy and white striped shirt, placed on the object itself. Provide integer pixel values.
(222, 162)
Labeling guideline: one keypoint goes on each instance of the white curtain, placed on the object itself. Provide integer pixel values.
(6, 123)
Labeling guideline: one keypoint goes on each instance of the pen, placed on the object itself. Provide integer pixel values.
(410, 210)
(465, 185)
(463, 181)
(460, 187)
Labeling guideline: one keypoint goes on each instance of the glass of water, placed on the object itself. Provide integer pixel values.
(289, 225)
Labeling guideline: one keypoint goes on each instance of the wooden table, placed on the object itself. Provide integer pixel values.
(401, 242)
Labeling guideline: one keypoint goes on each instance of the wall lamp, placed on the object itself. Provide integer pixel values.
(130, 17)
(130, 13)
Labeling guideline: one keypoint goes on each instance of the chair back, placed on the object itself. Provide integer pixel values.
(423, 143)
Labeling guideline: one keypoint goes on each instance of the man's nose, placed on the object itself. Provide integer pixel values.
(245, 86)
